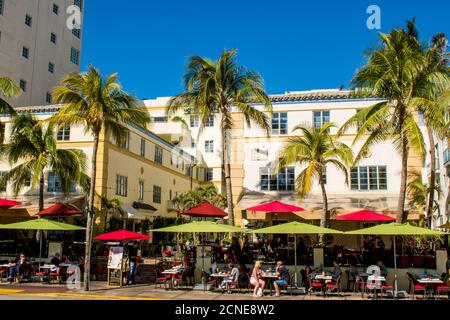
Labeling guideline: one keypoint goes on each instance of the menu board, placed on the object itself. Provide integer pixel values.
(115, 258)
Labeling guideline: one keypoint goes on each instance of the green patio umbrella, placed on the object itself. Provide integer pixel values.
(395, 229)
(199, 227)
(296, 228)
(40, 225)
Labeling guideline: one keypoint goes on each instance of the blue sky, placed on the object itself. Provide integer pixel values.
(293, 45)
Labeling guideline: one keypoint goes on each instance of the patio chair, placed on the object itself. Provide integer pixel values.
(444, 288)
(314, 285)
(207, 280)
(3, 273)
(288, 286)
(55, 275)
(350, 280)
(160, 279)
(415, 286)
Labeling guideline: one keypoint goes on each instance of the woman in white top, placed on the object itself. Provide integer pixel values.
(256, 278)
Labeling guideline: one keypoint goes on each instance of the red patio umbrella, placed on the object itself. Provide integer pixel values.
(364, 215)
(205, 210)
(6, 204)
(59, 210)
(276, 206)
(122, 235)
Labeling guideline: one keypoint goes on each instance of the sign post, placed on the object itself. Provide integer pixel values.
(115, 266)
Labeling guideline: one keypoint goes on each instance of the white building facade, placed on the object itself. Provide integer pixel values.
(36, 46)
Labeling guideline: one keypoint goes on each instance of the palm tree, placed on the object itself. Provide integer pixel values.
(34, 146)
(192, 198)
(111, 205)
(214, 88)
(315, 148)
(8, 89)
(418, 194)
(432, 101)
(99, 105)
(395, 72)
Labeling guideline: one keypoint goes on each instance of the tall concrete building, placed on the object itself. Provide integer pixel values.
(36, 46)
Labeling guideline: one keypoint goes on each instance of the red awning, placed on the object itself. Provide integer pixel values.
(122, 235)
(6, 204)
(59, 210)
(206, 209)
(276, 206)
(364, 215)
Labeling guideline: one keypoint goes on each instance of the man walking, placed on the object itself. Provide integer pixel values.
(132, 258)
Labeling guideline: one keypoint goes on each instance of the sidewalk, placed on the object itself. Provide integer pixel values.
(99, 290)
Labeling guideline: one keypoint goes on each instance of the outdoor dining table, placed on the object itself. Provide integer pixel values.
(172, 272)
(270, 277)
(375, 282)
(430, 285)
(219, 277)
(323, 278)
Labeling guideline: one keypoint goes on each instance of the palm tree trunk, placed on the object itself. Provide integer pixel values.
(403, 182)
(227, 166)
(325, 215)
(41, 192)
(223, 185)
(90, 213)
(432, 178)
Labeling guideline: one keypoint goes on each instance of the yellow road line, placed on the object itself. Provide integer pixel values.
(76, 295)
(10, 291)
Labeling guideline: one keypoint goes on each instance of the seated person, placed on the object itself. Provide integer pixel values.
(336, 271)
(55, 260)
(283, 277)
(15, 267)
(383, 269)
(233, 278)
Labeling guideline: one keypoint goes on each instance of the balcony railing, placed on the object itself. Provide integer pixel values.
(447, 157)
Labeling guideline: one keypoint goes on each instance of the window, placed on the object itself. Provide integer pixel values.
(320, 118)
(437, 158)
(324, 175)
(76, 33)
(260, 154)
(420, 118)
(193, 144)
(55, 9)
(2, 6)
(368, 178)
(283, 181)
(74, 56)
(156, 194)
(2, 182)
(158, 155)
(48, 97)
(209, 146)
(170, 195)
(51, 67)
(193, 121)
(141, 190)
(28, 20)
(121, 186)
(53, 37)
(79, 4)
(142, 150)
(53, 183)
(210, 122)
(209, 175)
(23, 85)
(125, 143)
(63, 134)
(25, 52)
(160, 119)
(279, 123)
